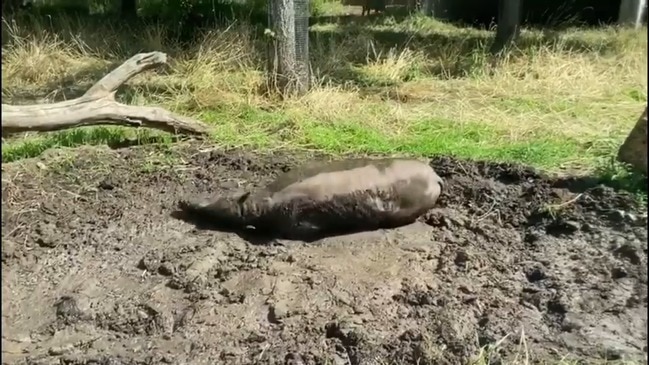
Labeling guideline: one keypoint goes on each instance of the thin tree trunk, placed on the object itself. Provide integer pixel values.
(436, 8)
(12, 6)
(283, 75)
(631, 12)
(634, 149)
(508, 30)
(302, 14)
(128, 9)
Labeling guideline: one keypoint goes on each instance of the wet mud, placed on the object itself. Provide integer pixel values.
(512, 266)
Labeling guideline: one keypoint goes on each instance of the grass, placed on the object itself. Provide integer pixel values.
(564, 101)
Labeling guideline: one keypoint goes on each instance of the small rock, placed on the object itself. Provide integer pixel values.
(535, 274)
(341, 296)
(47, 235)
(340, 359)
(166, 269)
(230, 184)
(559, 227)
(571, 323)
(60, 350)
(293, 358)
(151, 261)
(8, 250)
(232, 351)
(176, 283)
(47, 242)
(344, 331)
(618, 215)
(619, 272)
(628, 252)
(461, 258)
(238, 299)
(410, 335)
(256, 337)
(572, 226)
(532, 237)
(611, 354)
(67, 309)
(107, 184)
(278, 312)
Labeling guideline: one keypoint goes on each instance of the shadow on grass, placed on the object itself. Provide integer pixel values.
(623, 178)
(113, 137)
(66, 87)
(453, 54)
(466, 58)
(73, 86)
(397, 14)
(614, 175)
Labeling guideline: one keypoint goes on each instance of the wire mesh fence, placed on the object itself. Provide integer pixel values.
(288, 51)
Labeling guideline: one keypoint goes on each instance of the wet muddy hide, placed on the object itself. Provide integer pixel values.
(328, 198)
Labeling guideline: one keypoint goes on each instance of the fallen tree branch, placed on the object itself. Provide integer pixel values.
(99, 107)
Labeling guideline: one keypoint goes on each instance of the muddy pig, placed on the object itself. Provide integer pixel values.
(329, 198)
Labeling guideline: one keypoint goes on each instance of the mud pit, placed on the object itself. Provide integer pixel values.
(96, 271)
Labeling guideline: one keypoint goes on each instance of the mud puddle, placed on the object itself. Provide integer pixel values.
(96, 271)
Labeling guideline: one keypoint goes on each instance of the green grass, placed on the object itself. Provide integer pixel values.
(259, 129)
(418, 87)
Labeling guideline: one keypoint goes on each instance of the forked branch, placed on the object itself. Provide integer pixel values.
(99, 107)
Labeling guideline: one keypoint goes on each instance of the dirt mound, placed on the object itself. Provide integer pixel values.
(96, 271)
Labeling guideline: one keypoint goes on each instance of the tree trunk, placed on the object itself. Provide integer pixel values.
(283, 72)
(10, 7)
(436, 8)
(302, 13)
(98, 106)
(508, 30)
(634, 149)
(631, 12)
(128, 9)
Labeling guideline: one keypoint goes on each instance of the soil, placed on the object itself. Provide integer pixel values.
(513, 266)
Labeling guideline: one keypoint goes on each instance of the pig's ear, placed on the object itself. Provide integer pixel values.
(243, 197)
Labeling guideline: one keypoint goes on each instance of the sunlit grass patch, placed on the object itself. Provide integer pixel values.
(564, 100)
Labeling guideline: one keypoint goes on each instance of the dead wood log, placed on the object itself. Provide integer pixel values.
(99, 107)
(634, 149)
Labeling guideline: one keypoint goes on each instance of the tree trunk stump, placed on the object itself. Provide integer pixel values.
(634, 149)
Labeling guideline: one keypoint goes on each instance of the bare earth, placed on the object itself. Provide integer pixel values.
(97, 271)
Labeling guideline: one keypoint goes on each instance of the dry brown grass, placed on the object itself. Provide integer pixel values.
(562, 103)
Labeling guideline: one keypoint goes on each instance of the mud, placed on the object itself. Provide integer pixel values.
(512, 267)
